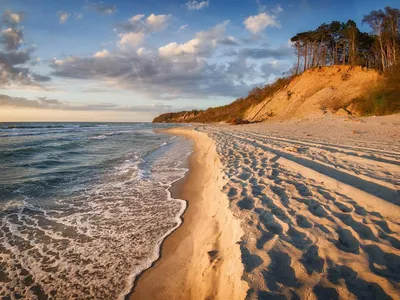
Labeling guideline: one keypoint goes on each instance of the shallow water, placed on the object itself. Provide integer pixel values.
(84, 207)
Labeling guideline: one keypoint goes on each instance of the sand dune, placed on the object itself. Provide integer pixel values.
(314, 92)
(319, 204)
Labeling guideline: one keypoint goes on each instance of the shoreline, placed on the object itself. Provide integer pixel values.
(201, 258)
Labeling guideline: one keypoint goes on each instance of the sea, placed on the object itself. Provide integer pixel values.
(84, 207)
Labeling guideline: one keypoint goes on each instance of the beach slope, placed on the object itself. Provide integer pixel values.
(201, 259)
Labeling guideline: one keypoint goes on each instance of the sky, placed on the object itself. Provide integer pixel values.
(115, 60)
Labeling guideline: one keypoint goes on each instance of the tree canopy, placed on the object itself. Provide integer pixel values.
(344, 43)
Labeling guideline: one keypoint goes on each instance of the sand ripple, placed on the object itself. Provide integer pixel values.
(320, 215)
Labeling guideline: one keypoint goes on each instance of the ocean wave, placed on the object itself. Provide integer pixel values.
(106, 134)
(25, 152)
(90, 125)
(89, 223)
(21, 133)
(30, 126)
(98, 137)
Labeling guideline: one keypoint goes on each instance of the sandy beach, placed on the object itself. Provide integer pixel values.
(201, 259)
(313, 213)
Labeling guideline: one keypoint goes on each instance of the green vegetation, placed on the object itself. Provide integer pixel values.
(384, 99)
(343, 43)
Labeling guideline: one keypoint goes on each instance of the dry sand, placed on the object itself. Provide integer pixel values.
(314, 92)
(318, 202)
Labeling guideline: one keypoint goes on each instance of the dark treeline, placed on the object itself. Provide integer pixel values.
(343, 43)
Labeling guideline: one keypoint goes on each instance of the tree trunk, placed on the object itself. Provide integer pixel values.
(382, 53)
(353, 48)
(344, 54)
(305, 57)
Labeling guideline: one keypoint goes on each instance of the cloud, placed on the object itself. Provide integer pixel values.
(63, 16)
(275, 67)
(261, 7)
(136, 18)
(130, 39)
(78, 16)
(103, 53)
(21, 102)
(138, 23)
(102, 8)
(134, 31)
(201, 45)
(256, 24)
(16, 62)
(197, 5)
(143, 51)
(228, 41)
(183, 27)
(157, 22)
(278, 9)
(281, 52)
(40, 78)
(156, 76)
(45, 103)
(192, 69)
(11, 18)
(11, 38)
(110, 66)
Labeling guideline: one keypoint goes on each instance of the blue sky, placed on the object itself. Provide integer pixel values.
(131, 60)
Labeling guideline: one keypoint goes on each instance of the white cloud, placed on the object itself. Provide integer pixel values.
(152, 23)
(140, 51)
(157, 22)
(78, 16)
(183, 27)
(130, 39)
(103, 53)
(63, 16)
(197, 5)
(261, 7)
(278, 9)
(69, 59)
(134, 31)
(101, 8)
(136, 18)
(12, 17)
(58, 62)
(174, 49)
(256, 24)
(201, 45)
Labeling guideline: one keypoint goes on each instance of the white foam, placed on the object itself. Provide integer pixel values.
(98, 137)
(113, 230)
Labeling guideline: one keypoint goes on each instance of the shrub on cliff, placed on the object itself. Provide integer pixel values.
(384, 99)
